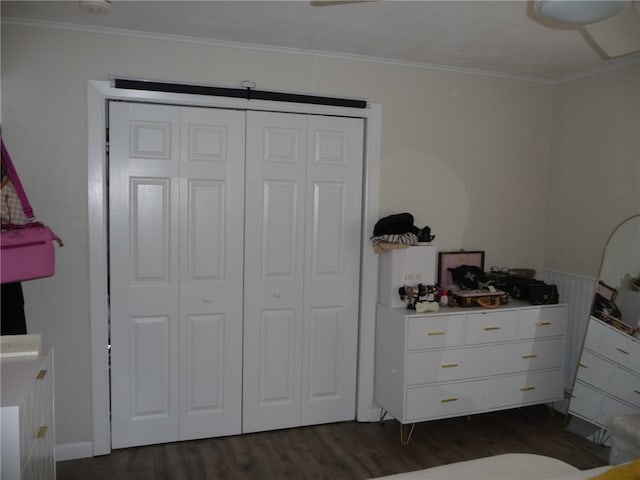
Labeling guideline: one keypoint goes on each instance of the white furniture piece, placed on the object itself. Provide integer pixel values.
(509, 466)
(405, 266)
(27, 417)
(461, 361)
(608, 377)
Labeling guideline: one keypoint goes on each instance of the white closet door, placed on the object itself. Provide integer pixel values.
(211, 251)
(302, 261)
(175, 272)
(332, 268)
(274, 253)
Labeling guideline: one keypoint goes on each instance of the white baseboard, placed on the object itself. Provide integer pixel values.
(73, 451)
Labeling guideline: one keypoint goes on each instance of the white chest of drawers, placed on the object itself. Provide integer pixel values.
(464, 361)
(608, 376)
(27, 417)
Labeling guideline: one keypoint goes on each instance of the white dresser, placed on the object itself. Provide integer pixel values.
(27, 417)
(608, 376)
(461, 361)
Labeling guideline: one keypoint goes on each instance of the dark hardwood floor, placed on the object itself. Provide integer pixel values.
(348, 450)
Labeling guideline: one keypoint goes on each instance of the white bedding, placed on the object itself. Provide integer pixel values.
(512, 466)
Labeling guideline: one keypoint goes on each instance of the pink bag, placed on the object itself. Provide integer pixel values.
(26, 251)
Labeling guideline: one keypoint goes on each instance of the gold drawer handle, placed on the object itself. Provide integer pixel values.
(531, 355)
(42, 432)
(622, 350)
(449, 365)
(492, 328)
(543, 324)
(525, 389)
(439, 332)
(450, 399)
(582, 365)
(41, 374)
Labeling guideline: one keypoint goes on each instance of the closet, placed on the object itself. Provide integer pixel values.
(234, 266)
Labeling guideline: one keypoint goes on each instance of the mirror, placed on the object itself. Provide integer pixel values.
(607, 380)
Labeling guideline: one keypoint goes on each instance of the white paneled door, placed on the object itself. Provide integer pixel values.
(234, 252)
(302, 263)
(176, 201)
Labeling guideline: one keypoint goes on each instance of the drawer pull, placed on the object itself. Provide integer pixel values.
(450, 399)
(491, 328)
(526, 389)
(530, 355)
(450, 365)
(41, 374)
(42, 432)
(543, 324)
(622, 350)
(439, 332)
(582, 365)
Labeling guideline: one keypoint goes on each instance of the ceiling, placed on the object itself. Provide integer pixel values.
(496, 37)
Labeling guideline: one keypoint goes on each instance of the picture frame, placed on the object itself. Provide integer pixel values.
(450, 260)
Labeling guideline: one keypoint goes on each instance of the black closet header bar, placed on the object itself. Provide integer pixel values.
(247, 93)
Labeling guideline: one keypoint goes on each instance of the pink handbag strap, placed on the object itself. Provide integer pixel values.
(13, 175)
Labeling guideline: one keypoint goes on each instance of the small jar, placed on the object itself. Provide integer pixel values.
(444, 298)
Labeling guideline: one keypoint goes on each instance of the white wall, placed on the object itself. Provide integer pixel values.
(594, 180)
(466, 154)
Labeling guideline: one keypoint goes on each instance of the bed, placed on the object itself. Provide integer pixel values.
(512, 466)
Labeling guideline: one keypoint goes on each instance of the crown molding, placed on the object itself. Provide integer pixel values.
(617, 63)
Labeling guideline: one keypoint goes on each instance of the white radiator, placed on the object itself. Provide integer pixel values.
(577, 292)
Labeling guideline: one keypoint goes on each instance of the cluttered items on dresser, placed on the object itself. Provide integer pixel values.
(407, 263)
(605, 308)
(398, 231)
(461, 274)
(520, 284)
(423, 298)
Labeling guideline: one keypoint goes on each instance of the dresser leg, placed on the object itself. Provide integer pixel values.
(383, 414)
(405, 433)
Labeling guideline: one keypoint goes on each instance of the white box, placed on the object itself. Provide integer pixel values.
(405, 266)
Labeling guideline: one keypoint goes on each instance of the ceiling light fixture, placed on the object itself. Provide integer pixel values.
(579, 12)
(95, 6)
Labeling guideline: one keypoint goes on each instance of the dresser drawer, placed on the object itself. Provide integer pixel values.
(626, 386)
(43, 387)
(526, 356)
(447, 400)
(542, 322)
(525, 388)
(27, 433)
(596, 406)
(609, 377)
(493, 326)
(613, 344)
(585, 401)
(446, 365)
(434, 331)
(594, 370)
